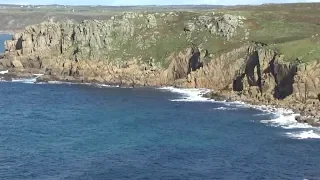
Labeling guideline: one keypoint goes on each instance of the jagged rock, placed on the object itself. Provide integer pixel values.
(203, 20)
(226, 26)
(151, 21)
(129, 15)
(16, 64)
(190, 26)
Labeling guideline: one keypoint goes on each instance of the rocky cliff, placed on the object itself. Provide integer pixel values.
(131, 48)
(182, 49)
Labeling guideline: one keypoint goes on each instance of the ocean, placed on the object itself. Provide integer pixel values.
(3, 37)
(71, 131)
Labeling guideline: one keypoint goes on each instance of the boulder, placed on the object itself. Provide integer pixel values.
(151, 21)
(226, 26)
(16, 64)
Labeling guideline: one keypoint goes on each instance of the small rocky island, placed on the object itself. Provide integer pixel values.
(259, 54)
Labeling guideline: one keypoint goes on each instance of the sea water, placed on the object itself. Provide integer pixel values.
(69, 131)
(4, 37)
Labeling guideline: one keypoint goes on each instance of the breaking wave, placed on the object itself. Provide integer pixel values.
(225, 108)
(31, 80)
(311, 134)
(280, 117)
(4, 72)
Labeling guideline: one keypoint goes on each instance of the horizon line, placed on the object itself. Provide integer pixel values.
(158, 5)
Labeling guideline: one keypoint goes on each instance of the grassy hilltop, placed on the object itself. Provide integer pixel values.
(293, 29)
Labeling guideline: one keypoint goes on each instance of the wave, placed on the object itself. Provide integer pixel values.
(4, 72)
(31, 80)
(98, 85)
(281, 117)
(286, 122)
(191, 95)
(108, 86)
(63, 82)
(225, 108)
(25, 80)
(311, 134)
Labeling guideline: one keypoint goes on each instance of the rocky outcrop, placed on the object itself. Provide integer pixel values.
(264, 78)
(111, 50)
(183, 63)
(225, 25)
(73, 41)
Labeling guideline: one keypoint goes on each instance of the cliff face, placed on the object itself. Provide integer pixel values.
(147, 49)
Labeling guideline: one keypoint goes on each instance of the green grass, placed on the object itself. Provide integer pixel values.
(305, 49)
(290, 29)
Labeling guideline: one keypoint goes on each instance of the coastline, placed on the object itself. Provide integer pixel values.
(199, 94)
(278, 116)
(300, 115)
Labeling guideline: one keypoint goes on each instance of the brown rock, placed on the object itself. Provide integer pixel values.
(298, 118)
(310, 121)
(16, 64)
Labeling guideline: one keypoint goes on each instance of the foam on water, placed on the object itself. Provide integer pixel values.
(28, 80)
(284, 118)
(225, 108)
(4, 72)
(311, 134)
(33, 80)
(25, 80)
(192, 95)
(107, 86)
(286, 122)
(89, 84)
(63, 82)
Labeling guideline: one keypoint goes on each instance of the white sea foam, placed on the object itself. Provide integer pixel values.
(31, 80)
(60, 82)
(25, 80)
(107, 86)
(309, 134)
(89, 84)
(191, 95)
(38, 75)
(4, 72)
(225, 108)
(284, 118)
(221, 108)
(286, 122)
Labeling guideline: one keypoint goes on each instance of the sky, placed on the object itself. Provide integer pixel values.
(147, 2)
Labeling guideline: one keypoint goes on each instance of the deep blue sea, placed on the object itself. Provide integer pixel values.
(82, 132)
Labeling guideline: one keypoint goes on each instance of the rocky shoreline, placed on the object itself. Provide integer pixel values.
(8, 76)
(304, 113)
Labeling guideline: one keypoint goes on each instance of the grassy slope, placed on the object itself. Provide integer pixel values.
(290, 28)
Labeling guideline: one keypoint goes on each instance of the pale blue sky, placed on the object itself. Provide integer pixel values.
(148, 2)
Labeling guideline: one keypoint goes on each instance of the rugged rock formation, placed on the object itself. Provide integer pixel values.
(225, 25)
(115, 50)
